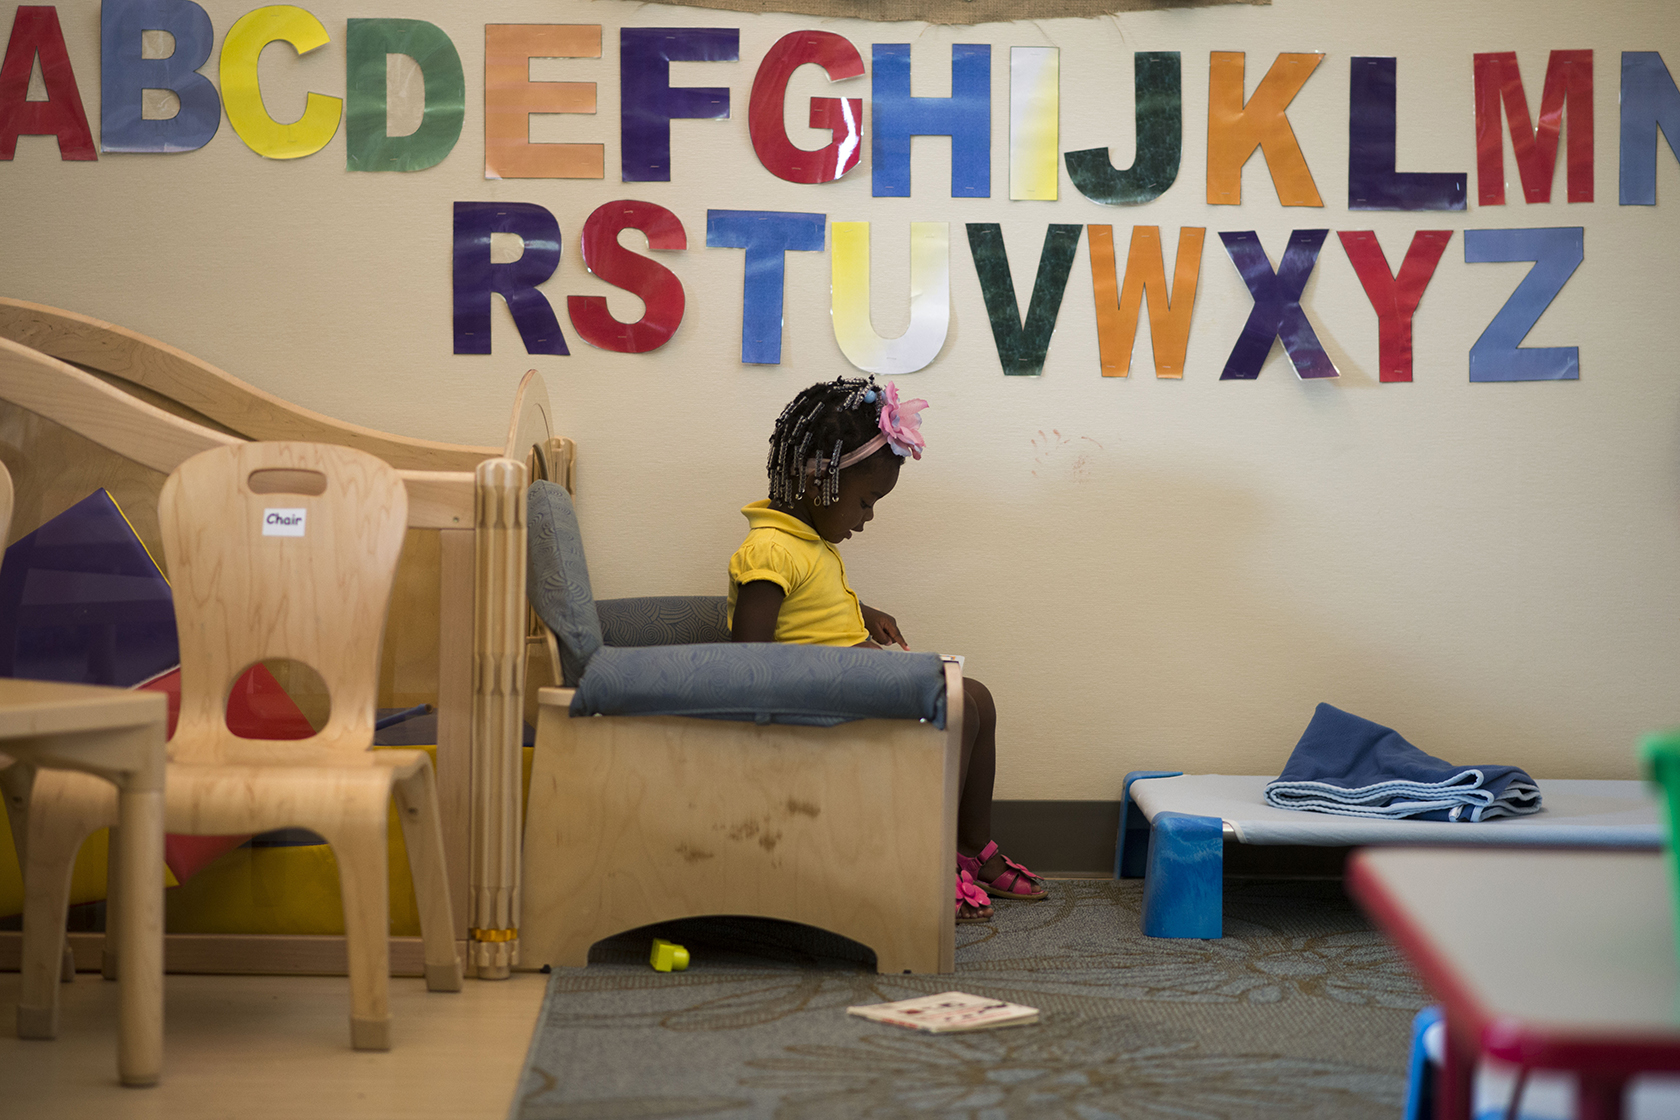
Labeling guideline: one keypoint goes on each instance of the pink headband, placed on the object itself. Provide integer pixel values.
(900, 429)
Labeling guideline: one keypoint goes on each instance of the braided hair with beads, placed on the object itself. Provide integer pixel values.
(823, 422)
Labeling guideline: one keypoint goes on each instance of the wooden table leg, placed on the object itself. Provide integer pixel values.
(1454, 1092)
(110, 962)
(1598, 1096)
(140, 944)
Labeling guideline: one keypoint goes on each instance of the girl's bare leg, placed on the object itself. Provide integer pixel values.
(979, 769)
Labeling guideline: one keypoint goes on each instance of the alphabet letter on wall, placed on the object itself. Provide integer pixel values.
(1498, 354)
(124, 76)
(965, 116)
(35, 31)
(1159, 99)
(368, 147)
(767, 236)
(1235, 129)
(250, 33)
(660, 291)
(477, 277)
(842, 118)
(510, 97)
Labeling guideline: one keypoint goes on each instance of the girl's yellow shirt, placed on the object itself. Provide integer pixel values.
(821, 609)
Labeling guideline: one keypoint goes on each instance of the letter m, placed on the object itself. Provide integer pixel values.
(1568, 90)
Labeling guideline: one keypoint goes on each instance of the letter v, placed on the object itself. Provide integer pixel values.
(1022, 346)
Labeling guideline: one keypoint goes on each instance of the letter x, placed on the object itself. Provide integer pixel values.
(1277, 305)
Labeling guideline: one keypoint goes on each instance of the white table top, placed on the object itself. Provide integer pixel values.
(1575, 813)
(1573, 944)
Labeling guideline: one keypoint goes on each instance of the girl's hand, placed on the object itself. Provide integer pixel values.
(883, 627)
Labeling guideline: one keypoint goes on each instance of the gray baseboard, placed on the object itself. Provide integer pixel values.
(1060, 838)
(1076, 839)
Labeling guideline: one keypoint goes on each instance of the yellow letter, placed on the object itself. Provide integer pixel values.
(243, 97)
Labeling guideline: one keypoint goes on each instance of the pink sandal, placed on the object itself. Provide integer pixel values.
(974, 897)
(1014, 881)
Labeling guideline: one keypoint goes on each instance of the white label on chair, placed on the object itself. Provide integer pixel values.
(284, 522)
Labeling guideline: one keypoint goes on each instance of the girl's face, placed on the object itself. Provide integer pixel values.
(861, 486)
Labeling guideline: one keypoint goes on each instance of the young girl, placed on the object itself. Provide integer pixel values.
(836, 451)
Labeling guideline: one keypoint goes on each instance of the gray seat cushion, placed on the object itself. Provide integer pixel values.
(557, 577)
(763, 682)
(664, 620)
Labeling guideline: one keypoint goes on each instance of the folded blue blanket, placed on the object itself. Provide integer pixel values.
(1345, 764)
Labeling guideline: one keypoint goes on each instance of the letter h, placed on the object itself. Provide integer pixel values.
(965, 116)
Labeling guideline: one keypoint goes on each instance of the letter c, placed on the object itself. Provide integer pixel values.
(242, 95)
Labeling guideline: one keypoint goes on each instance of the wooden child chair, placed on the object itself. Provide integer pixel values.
(281, 550)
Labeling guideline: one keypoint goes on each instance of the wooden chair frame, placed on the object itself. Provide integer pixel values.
(642, 819)
(84, 403)
(242, 596)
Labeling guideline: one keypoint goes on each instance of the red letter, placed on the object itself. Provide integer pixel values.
(1568, 80)
(1395, 298)
(658, 286)
(844, 120)
(35, 31)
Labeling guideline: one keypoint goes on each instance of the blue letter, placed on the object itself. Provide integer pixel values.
(965, 116)
(766, 235)
(476, 277)
(1649, 102)
(124, 75)
(1556, 254)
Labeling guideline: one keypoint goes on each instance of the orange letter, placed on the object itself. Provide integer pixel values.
(510, 97)
(1169, 312)
(1235, 129)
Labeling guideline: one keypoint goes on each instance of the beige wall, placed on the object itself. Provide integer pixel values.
(1492, 568)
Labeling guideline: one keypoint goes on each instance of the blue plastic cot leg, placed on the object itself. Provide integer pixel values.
(1183, 892)
(1420, 1074)
(1131, 846)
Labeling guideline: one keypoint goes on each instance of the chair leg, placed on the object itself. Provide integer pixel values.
(358, 846)
(417, 807)
(51, 842)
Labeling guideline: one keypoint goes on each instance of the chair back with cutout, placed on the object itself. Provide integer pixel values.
(281, 550)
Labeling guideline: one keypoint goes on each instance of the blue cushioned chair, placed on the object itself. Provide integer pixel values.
(677, 774)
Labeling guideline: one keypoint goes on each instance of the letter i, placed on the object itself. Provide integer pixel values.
(1034, 112)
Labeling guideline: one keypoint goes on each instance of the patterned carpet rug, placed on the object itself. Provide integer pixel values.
(1301, 1010)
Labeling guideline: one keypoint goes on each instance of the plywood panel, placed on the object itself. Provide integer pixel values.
(53, 468)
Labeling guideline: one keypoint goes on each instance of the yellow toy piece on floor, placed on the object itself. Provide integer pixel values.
(667, 956)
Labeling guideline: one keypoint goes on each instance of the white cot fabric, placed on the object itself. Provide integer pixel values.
(1577, 813)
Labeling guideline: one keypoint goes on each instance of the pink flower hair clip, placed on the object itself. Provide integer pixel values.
(901, 423)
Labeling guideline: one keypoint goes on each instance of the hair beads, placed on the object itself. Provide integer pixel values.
(822, 422)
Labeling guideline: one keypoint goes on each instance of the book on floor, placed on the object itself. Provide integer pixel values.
(948, 1011)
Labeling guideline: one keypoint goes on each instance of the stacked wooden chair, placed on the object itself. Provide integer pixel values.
(276, 550)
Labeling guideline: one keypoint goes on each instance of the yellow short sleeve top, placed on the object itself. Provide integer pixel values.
(821, 609)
